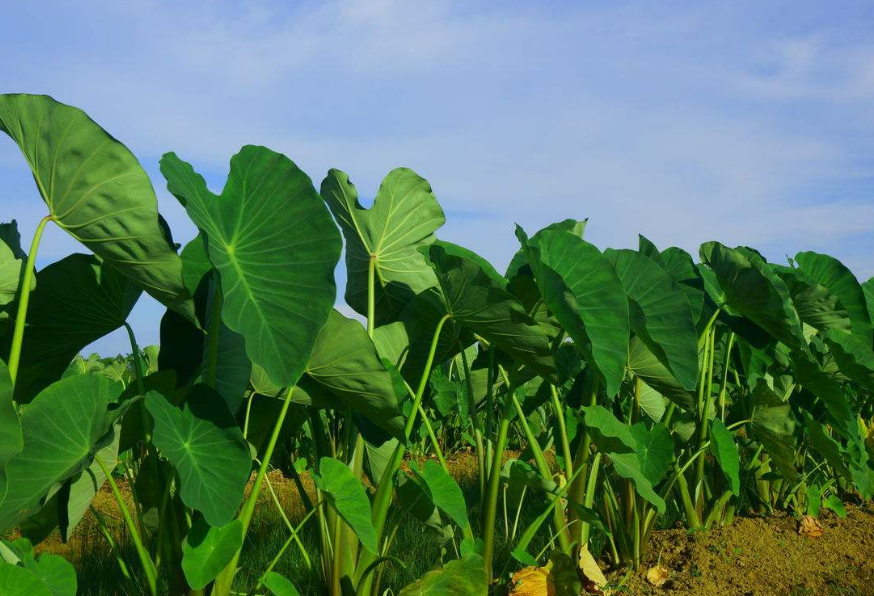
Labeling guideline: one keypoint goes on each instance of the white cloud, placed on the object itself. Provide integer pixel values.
(745, 123)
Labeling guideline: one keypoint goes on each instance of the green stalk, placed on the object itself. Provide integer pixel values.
(225, 579)
(576, 491)
(590, 496)
(477, 428)
(704, 392)
(142, 553)
(491, 506)
(23, 299)
(382, 499)
(562, 431)
(564, 537)
(725, 366)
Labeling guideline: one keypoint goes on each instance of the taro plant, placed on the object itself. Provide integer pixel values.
(604, 389)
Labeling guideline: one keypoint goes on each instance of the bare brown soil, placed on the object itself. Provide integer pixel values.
(765, 557)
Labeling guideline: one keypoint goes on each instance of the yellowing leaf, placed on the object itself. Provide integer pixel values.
(532, 581)
(593, 576)
(658, 576)
(810, 526)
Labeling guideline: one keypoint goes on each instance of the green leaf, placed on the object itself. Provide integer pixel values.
(12, 266)
(18, 581)
(77, 301)
(62, 428)
(207, 550)
(207, 448)
(644, 364)
(755, 291)
(278, 585)
(834, 503)
(659, 313)
(474, 296)
(444, 492)
(680, 265)
(11, 440)
(586, 296)
(233, 367)
(829, 391)
(96, 191)
(853, 356)
(345, 365)
(816, 306)
(404, 216)
(655, 450)
(773, 425)
(840, 281)
(724, 451)
(460, 577)
(345, 493)
(519, 266)
(275, 247)
(55, 572)
(868, 290)
(618, 442)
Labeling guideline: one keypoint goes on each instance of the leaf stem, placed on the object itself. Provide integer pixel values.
(23, 299)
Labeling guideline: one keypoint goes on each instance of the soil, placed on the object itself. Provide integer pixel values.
(764, 557)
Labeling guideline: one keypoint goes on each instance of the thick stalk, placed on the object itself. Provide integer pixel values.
(477, 428)
(23, 299)
(575, 494)
(491, 505)
(225, 579)
(704, 392)
(590, 496)
(562, 432)
(564, 538)
(382, 499)
(725, 366)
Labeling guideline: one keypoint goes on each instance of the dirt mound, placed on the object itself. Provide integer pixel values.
(765, 557)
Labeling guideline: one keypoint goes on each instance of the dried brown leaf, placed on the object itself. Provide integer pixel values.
(810, 526)
(658, 576)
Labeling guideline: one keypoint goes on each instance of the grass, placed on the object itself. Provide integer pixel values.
(420, 547)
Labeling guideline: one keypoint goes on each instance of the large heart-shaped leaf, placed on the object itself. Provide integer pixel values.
(644, 364)
(773, 425)
(78, 300)
(348, 497)
(346, 371)
(659, 313)
(275, 247)
(840, 281)
(853, 356)
(752, 288)
(586, 296)
(404, 216)
(460, 577)
(815, 304)
(207, 550)
(680, 265)
(636, 463)
(18, 581)
(444, 492)
(206, 446)
(96, 191)
(473, 295)
(62, 429)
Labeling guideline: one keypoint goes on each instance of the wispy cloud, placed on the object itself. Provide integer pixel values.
(742, 122)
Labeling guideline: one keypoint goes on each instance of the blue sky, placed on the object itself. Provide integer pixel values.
(744, 122)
